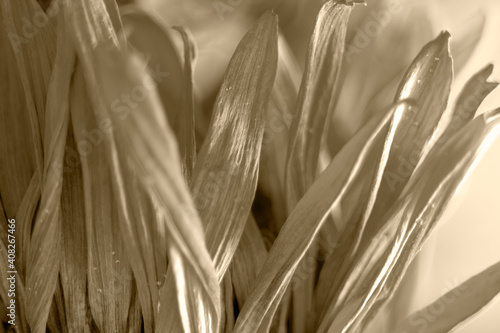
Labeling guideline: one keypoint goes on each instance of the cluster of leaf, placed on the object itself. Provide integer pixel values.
(142, 230)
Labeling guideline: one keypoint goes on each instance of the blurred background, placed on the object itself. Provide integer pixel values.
(383, 38)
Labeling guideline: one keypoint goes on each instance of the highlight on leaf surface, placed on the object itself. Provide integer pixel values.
(227, 163)
(316, 100)
(410, 138)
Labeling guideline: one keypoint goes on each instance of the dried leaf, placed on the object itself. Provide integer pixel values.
(269, 206)
(17, 133)
(45, 247)
(426, 86)
(225, 175)
(371, 74)
(35, 67)
(378, 270)
(136, 186)
(303, 224)
(108, 271)
(316, 100)
(190, 269)
(279, 117)
(471, 96)
(25, 91)
(73, 277)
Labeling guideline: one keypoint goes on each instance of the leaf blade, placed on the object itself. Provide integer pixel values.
(231, 170)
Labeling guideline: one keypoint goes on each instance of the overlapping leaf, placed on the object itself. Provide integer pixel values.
(44, 255)
(109, 275)
(467, 103)
(137, 161)
(426, 87)
(279, 117)
(371, 74)
(27, 76)
(298, 232)
(380, 268)
(248, 260)
(150, 37)
(316, 101)
(73, 277)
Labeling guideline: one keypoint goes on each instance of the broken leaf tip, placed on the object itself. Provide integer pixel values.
(443, 38)
(487, 70)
